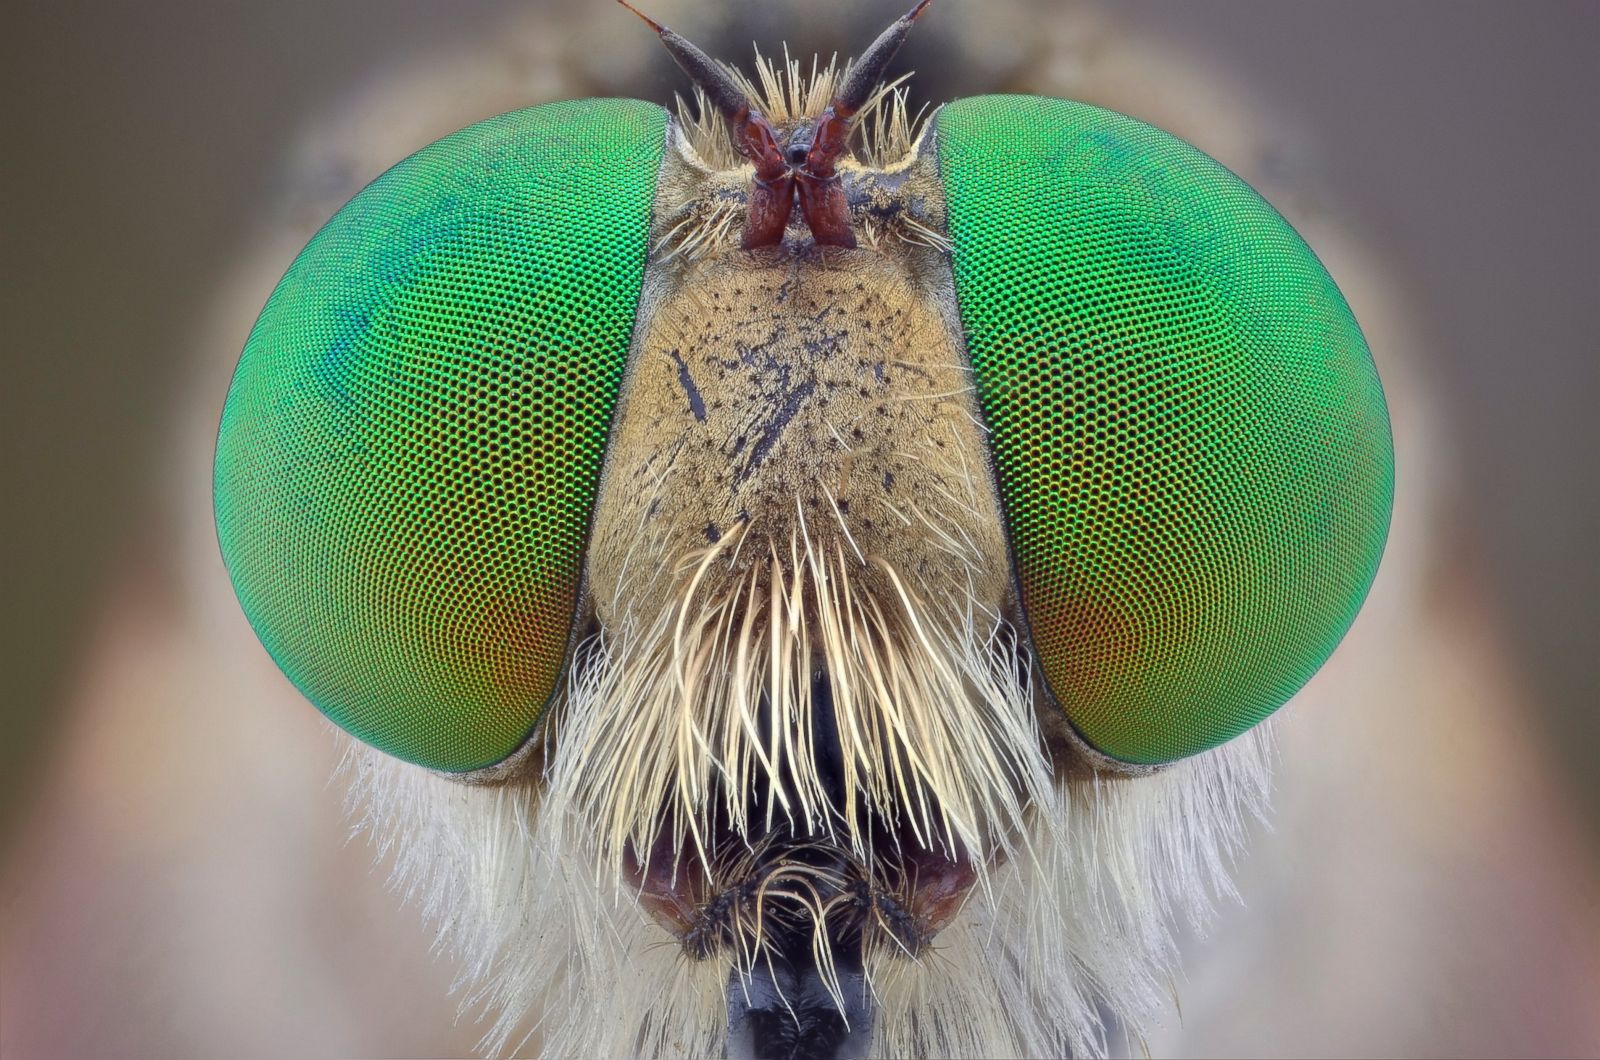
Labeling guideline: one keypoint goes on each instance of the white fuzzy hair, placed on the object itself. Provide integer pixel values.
(1076, 925)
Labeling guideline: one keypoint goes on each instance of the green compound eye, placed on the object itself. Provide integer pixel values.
(410, 450)
(1190, 438)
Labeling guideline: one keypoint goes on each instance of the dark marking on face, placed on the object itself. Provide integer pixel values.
(697, 404)
(783, 412)
(824, 345)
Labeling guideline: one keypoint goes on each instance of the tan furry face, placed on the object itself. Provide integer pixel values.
(776, 394)
(784, 402)
(796, 492)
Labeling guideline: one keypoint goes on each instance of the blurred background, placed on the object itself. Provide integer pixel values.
(174, 868)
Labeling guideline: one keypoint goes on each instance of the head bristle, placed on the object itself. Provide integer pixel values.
(786, 93)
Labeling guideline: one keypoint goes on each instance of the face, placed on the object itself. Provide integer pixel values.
(806, 574)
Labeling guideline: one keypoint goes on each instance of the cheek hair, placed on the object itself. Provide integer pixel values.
(665, 725)
(559, 961)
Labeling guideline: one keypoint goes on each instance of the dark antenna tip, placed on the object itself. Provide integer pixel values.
(659, 28)
(723, 91)
(868, 70)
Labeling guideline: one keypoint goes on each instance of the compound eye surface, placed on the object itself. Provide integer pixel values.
(1189, 436)
(410, 450)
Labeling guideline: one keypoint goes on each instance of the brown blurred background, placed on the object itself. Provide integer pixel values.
(174, 879)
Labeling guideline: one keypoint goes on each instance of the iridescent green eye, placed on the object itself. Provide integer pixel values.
(410, 450)
(1190, 438)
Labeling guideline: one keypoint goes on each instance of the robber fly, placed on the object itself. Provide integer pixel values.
(805, 577)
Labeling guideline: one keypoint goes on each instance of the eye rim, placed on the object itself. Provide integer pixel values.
(1380, 514)
(1072, 756)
